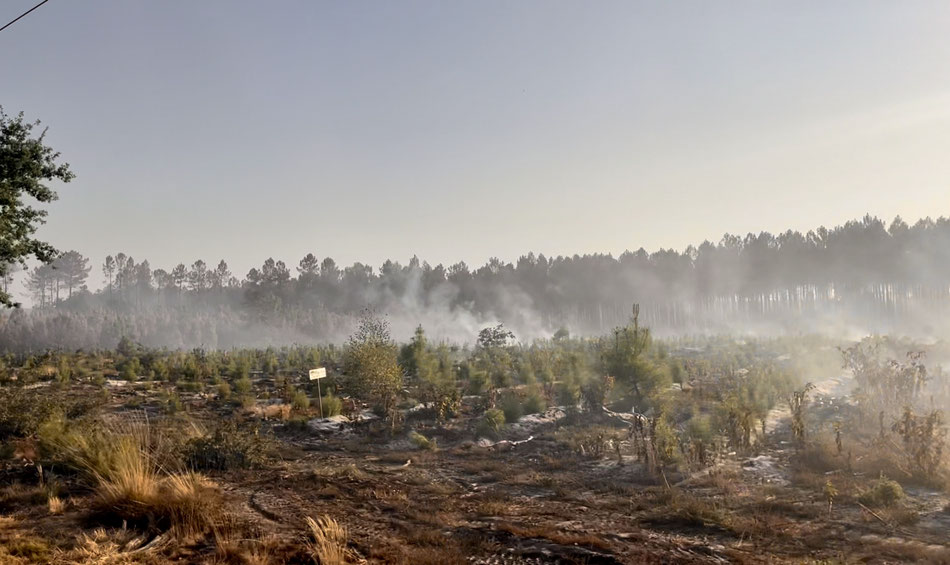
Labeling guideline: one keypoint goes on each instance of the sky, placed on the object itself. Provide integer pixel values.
(464, 130)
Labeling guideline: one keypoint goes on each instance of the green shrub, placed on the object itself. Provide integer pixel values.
(422, 442)
(300, 401)
(243, 386)
(511, 406)
(534, 403)
(332, 406)
(491, 423)
(171, 402)
(22, 412)
(884, 494)
(224, 392)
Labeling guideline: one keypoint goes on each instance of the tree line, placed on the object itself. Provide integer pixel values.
(586, 293)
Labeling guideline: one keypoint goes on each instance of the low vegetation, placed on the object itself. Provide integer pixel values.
(619, 449)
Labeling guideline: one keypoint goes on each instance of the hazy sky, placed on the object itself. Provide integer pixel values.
(462, 130)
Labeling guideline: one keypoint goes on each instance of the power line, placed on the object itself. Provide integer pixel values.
(18, 18)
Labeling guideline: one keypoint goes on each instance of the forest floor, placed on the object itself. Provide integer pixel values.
(533, 499)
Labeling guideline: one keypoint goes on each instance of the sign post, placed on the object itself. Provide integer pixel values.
(316, 375)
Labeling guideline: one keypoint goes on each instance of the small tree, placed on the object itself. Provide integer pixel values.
(797, 403)
(493, 358)
(924, 439)
(372, 365)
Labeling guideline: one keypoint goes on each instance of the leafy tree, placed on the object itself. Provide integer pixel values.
(26, 164)
(371, 363)
(493, 359)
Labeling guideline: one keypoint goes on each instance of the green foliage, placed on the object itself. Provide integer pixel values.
(22, 412)
(492, 357)
(884, 494)
(432, 374)
(371, 363)
(26, 164)
(170, 401)
(884, 384)
(594, 393)
(243, 386)
(924, 439)
(332, 406)
(798, 402)
(491, 423)
(510, 404)
(224, 391)
(623, 356)
(422, 442)
(300, 401)
(534, 402)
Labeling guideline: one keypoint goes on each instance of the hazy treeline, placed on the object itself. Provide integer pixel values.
(864, 275)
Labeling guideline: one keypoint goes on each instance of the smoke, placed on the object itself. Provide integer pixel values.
(853, 280)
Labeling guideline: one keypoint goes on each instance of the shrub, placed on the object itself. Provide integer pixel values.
(224, 392)
(884, 494)
(491, 423)
(511, 406)
(300, 401)
(227, 448)
(332, 406)
(243, 386)
(534, 403)
(171, 402)
(21, 412)
(422, 442)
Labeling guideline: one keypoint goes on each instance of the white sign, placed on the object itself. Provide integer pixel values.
(318, 373)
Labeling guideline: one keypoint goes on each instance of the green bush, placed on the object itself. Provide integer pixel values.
(243, 386)
(534, 403)
(224, 392)
(491, 423)
(884, 494)
(300, 401)
(511, 406)
(332, 406)
(422, 442)
(22, 412)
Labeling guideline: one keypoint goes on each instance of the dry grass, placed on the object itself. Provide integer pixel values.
(349, 472)
(271, 412)
(327, 543)
(235, 544)
(559, 537)
(122, 461)
(56, 505)
(103, 547)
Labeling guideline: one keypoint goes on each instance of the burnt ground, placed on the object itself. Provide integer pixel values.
(540, 501)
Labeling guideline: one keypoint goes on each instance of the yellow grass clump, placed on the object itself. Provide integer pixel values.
(327, 543)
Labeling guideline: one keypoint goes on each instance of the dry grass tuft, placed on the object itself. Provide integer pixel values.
(56, 505)
(327, 545)
(123, 462)
(105, 548)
